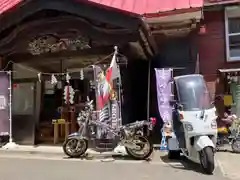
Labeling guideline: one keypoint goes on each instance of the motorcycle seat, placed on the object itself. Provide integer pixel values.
(136, 124)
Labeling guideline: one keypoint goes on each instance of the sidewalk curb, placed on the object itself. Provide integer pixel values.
(58, 153)
(18, 151)
(50, 152)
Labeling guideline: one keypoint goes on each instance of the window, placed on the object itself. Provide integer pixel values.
(232, 29)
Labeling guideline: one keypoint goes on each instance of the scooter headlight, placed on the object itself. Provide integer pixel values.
(188, 127)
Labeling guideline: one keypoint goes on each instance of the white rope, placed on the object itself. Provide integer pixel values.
(57, 74)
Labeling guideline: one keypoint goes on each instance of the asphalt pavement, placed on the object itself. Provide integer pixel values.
(229, 163)
(29, 166)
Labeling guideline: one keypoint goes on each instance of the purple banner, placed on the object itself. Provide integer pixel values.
(164, 93)
(4, 108)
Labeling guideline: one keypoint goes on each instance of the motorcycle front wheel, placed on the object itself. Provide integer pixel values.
(207, 160)
(75, 147)
(146, 148)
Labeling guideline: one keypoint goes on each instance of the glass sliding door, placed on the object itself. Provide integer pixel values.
(24, 117)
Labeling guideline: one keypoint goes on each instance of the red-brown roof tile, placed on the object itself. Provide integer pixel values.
(134, 6)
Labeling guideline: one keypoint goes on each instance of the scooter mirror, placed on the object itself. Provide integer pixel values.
(179, 106)
(173, 102)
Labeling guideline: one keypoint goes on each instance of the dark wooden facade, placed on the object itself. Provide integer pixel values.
(104, 28)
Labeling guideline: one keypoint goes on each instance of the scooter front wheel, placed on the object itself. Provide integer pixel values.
(207, 160)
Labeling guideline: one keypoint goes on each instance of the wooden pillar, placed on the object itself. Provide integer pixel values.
(1, 63)
(73, 119)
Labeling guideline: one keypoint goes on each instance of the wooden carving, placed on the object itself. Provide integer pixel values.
(51, 44)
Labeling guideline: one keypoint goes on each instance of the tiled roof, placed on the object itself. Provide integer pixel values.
(6, 5)
(150, 6)
(134, 6)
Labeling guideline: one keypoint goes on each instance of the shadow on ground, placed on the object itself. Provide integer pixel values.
(108, 157)
(182, 163)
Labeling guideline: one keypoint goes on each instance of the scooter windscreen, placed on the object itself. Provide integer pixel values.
(192, 93)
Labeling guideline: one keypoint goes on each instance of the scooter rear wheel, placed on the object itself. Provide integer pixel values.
(207, 160)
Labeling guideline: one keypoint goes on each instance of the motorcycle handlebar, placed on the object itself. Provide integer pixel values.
(89, 102)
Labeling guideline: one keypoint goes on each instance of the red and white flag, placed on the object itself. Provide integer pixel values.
(113, 71)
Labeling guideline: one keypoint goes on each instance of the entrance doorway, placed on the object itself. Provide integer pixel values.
(54, 107)
(43, 105)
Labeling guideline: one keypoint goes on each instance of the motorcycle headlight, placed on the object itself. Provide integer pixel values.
(188, 127)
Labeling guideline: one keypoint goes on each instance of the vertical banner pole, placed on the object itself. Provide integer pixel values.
(148, 90)
(120, 97)
(11, 144)
(148, 94)
(10, 106)
(119, 87)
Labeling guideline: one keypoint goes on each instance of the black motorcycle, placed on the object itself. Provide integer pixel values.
(131, 136)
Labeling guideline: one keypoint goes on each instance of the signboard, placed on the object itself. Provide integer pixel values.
(164, 93)
(3, 103)
(228, 100)
(4, 108)
(115, 114)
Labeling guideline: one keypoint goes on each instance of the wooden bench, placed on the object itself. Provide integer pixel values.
(64, 126)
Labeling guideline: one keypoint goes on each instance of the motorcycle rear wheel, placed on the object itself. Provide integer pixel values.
(136, 154)
(74, 147)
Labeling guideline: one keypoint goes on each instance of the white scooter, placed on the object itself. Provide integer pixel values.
(194, 122)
